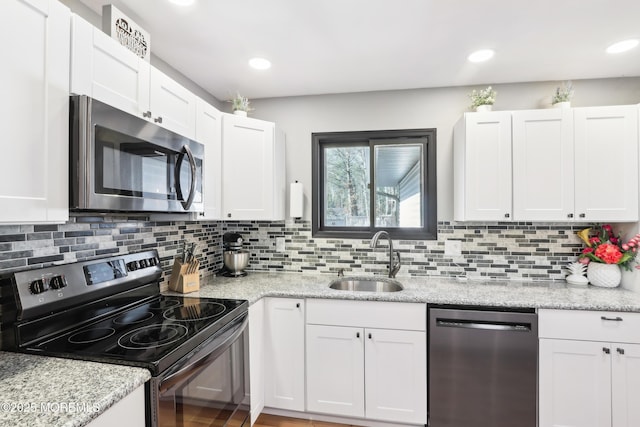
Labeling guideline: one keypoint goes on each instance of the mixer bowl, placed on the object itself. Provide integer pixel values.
(236, 261)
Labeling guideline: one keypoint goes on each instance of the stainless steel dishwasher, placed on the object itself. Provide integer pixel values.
(482, 367)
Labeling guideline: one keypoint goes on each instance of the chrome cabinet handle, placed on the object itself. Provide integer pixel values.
(228, 215)
(570, 215)
(583, 215)
(369, 336)
(147, 114)
(297, 305)
(357, 334)
(606, 350)
(612, 319)
(158, 119)
(507, 215)
(620, 350)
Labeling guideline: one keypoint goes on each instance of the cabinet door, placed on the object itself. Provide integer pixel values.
(284, 353)
(575, 384)
(625, 359)
(543, 165)
(483, 153)
(105, 70)
(172, 105)
(209, 133)
(248, 150)
(335, 370)
(256, 359)
(129, 411)
(35, 111)
(606, 147)
(396, 375)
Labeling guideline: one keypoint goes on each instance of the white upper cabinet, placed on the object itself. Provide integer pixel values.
(34, 183)
(576, 164)
(543, 176)
(482, 167)
(209, 133)
(606, 146)
(252, 169)
(172, 106)
(103, 69)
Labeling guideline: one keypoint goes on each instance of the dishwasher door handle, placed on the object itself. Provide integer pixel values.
(492, 326)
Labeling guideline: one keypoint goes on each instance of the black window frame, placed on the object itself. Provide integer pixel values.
(320, 140)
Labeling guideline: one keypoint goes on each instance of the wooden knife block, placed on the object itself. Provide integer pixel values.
(185, 278)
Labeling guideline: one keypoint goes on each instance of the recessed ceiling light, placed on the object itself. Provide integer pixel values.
(260, 63)
(622, 46)
(481, 55)
(183, 2)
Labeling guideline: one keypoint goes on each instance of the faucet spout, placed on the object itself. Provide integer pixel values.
(393, 268)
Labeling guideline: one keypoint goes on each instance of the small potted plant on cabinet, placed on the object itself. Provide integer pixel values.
(240, 105)
(483, 99)
(563, 95)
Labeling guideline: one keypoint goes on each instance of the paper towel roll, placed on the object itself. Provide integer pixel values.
(296, 200)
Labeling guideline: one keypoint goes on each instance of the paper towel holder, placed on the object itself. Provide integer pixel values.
(296, 200)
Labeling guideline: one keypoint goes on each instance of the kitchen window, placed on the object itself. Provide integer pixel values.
(368, 181)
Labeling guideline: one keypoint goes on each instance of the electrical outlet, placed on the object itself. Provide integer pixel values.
(280, 244)
(453, 247)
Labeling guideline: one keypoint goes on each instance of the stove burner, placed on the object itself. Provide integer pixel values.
(193, 312)
(164, 304)
(152, 336)
(91, 335)
(132, 317)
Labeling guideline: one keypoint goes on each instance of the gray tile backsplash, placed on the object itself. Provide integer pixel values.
(502, 250)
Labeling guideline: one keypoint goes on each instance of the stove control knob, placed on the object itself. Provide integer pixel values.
(38, 286)
(132, 266)
(57, 282)
(152, 262)
(143, 263)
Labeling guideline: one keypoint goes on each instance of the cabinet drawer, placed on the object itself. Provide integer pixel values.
(609, 326)
(367, 314)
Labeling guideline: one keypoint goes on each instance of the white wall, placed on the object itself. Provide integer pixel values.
(438, 108)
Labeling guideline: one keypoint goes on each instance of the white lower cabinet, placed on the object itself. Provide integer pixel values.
(256, 359)
(284, 353)
(584, 379)
(367, 360)
(129, 411)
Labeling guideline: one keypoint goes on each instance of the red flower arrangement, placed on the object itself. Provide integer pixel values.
(607, 248)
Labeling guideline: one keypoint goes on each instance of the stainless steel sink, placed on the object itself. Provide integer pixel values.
(366, 284)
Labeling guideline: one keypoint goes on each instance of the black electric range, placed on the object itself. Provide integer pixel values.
(108, 310)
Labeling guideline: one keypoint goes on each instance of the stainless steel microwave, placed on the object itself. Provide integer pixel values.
(123, 163)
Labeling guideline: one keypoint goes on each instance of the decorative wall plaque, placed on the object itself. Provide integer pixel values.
(126, 32)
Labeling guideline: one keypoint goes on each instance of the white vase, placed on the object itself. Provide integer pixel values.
(483, 108)
(604, 275)
(564, 104)
(240, 113)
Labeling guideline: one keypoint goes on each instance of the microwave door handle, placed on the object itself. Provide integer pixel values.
(186, 204)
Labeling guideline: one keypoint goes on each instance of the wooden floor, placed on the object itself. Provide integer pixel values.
(266, 420)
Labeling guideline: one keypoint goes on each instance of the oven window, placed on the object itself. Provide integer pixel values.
(212, 394)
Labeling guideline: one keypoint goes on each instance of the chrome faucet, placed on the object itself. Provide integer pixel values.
(393, 269)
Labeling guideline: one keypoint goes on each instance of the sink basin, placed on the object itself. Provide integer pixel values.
(366, 284)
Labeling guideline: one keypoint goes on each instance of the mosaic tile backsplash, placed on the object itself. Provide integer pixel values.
(498, 250)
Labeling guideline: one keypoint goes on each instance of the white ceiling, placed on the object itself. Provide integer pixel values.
(336, 46)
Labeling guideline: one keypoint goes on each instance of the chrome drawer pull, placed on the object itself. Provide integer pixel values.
(606, 350)
(613, 319)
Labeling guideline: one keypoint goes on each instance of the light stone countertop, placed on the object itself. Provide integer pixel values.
(38, 391)
(427, 290)
(33, 388)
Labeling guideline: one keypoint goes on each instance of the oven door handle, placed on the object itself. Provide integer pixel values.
(206, 352)
(186, 204)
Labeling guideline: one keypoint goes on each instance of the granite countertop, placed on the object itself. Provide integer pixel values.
(427, 290)
(51, 392)
(34, 389)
